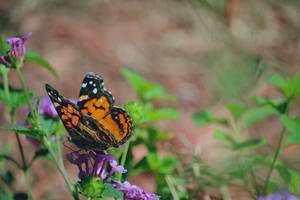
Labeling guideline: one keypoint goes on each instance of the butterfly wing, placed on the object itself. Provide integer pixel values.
(86, 132)
(97, 102)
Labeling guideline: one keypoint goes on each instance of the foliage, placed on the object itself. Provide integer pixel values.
(246, 166)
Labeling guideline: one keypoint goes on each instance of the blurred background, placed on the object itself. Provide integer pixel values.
(206, 52)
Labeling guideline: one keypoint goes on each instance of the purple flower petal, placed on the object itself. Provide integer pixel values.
(3, 61)
(33, 141)
(281, 195)
(133, 192)
(13, 40)
(73, 101)
(26, 37)
(46, 107)
(82, 159)
(116, 167)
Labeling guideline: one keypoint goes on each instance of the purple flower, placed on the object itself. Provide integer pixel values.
(133, 192)
(46, 107)
(281, 195)
(94, 164)
(18, 49)
(80, 160)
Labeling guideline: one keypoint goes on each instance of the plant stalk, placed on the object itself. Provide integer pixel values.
(124, 155)
(274, 160)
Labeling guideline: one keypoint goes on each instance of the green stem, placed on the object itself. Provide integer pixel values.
(60, 159)
(124, 155)
(274, 159)
(13, 120)
(254, 182)
(27, 180)
(24, 167)
(5, 82)
(27, 96)
(56, 161)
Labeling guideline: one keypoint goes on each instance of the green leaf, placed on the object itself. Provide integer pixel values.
(261, 101)
(294, 127)
(35, 58)
(297, 83)
(286, 85)
(284, 173)
(203, 117)
(49, 124)
(110, 191)
(236, 110)
(167, 165)
(220, 135)
(290, 177)
(17, 97)
(251, 143)
(136, 111)
(273, 187)
(153, 161)
(280, 105)
(140, 167)
(294, 186)
(20, 129)
(163, 113)
(257, 114)
(146, 90)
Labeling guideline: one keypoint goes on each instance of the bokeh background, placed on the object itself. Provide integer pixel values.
(206, 52)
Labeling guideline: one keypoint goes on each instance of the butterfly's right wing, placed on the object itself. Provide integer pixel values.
(94, 100)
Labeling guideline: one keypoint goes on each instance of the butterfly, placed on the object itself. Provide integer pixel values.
(94, 123)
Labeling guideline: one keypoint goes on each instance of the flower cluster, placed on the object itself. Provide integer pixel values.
(134, 192)
(18, 49)
(281, 195)
(93, 166)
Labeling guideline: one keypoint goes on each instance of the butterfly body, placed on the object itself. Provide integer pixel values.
(94, 123)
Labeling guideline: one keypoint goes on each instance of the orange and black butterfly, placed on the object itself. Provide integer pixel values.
(94, 123)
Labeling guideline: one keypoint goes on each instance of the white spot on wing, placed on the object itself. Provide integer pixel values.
(95, 90)
(91, 82)
(101, 100)
(84, 85)
(59, 99)
(94, 85)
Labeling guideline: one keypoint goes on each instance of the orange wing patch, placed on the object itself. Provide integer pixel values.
(120, 127)
(96, 108)
(70, 116)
